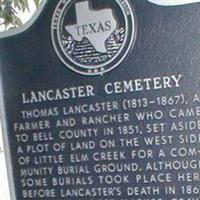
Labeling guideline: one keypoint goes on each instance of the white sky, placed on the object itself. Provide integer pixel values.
(24, 16)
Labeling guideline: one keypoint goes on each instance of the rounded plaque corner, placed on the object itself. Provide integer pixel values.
(27, 25)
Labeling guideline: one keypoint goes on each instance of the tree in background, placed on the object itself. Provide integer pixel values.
(9, 10)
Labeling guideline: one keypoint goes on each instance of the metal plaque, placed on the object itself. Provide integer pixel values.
(100, 100)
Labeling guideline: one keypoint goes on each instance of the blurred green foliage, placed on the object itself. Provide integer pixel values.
(9, 10)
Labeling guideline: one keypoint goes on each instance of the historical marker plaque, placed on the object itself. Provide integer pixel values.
(101, 100)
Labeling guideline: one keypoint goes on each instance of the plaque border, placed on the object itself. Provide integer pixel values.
(6, 34)
(11, 183)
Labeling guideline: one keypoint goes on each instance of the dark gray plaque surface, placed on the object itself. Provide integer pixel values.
(106, 110)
